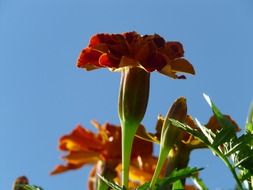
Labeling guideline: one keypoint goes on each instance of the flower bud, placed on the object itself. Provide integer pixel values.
(134, 93)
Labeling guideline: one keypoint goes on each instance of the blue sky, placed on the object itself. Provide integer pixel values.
(43, 95)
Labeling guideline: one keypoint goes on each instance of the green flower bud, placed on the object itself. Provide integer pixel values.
(134, 93)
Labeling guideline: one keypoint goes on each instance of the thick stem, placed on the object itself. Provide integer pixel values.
(161, 159)
(128, 132)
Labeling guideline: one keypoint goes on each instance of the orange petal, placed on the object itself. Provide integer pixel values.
(173, 50)
(190, 187)
(80, 139)
(61, 168)
(109, 60)
(214, 125)
(88, 59)
(82, 157)
(143, 134)
(182, 65)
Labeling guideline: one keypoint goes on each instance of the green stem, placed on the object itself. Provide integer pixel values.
(228, 164)
(161, 159)
(250, 184)
(128, 132)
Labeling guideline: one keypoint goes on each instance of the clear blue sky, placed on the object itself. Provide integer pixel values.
(43, 95)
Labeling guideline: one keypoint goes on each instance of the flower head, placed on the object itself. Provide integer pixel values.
(85, 147)
(150, 52)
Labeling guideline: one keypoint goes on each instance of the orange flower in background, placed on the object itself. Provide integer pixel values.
(184, 138)
(149, 52)
(85, 147)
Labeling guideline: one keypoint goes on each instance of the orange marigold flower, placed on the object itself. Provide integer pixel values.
(150, 52)
(85, 147)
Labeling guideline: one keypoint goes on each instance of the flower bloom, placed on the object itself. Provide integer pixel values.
(149, 52)
(85, 147)
(190, 142)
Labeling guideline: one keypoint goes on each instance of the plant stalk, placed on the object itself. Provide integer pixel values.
(128, 132)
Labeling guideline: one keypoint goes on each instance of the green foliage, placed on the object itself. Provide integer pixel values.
(27, 187)
(175, 176)
(177, 185)
(249, 123)
(173, 179)
(110, 184)
(235, 152)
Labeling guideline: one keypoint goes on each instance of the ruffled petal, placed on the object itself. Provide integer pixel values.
(149, 52)
(88, 59)
(80, 139)
(63, 168)
(82, 157)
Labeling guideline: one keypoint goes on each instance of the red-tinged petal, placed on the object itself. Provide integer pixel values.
(138, 149)
(108, 60)
(80, 139)
(98, 39)
(131, 37)
(155, 62)
(88, 59)
(82, 157)
(149, 52)
(182, 65)
(174, 50)
(63, 168)
(142, 169)
(108, 39)
(190, 187)
(215, 126)
(155, 39)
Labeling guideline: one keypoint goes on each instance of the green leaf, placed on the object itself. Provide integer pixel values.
(177, 185)
(177, 175)
(245, 175)
(204, 135)
(145, 186)
(111, 184)
(249, 122)
(223, 136)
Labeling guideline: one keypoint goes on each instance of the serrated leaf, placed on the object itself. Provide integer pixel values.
(110, 184)
(249, 127)
(188, 129)
(177, 185)
(145, 186)
(208, 134)
(177, 175)
(238, 144)
(246, 175)
(223, 136)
